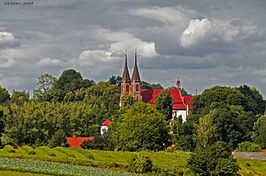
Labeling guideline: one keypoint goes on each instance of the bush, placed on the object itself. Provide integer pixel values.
(140, 164)
(28, 150)
(58, 139)
(213, 160)
(99, 143)
(248, 147)
(9, 149)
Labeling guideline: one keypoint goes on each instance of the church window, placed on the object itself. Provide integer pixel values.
(137, 87)
(127, 88)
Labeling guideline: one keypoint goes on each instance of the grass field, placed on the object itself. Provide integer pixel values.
(17, 173)
(118, 160)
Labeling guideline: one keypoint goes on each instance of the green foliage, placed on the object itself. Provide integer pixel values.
(255, 99)
(28, 150)
(115, 80)
(9, 149)
(140, 128)
(127, 101)
(233, 124)
(146, 85)
(248, 147)
(164, 103)
(19, 97)
(212, 161)
(99, 143)
(140, 164)
(58, 139)
(182, 135)
(259, 133)
(4, 95)
(217, 97)
(35, 123)
(45, 83)
(205, 131)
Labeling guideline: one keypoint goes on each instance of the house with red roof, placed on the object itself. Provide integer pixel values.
(104, 126)
(133, 87)
(77, 141)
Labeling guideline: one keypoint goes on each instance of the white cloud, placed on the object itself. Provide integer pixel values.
(125, 40)
(7, 40)
(206, 30)
(166, 15)
(46, 62)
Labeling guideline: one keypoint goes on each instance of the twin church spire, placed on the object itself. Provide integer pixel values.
(135, 75)
(131, 86)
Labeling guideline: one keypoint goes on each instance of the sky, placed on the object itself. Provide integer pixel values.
(202, 42)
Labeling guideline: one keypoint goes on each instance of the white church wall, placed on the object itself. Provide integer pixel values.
(177, 113)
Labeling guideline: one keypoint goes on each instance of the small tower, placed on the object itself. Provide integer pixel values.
(125, 83)
(135, 81)
(178, 84)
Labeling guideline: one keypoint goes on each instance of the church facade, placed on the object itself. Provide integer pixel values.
(132, 86)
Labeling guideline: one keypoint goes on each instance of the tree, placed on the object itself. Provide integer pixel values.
(146, 85)
(213, 160)
(2, 125)
(66, 78)
(58, 139)
(115, 80)
(233, 124)
(205, 131)
(216, 97)
(142, 127)
(164, 103)
(45, 83)
(19, 97)
(248, 147)
(4, 95)
(259, 133)
(256, 102)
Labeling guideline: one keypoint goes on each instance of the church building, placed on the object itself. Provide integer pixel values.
(133, 87)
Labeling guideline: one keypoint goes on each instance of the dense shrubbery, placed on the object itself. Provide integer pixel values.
(141, 127)
(213, 160)
(248, 147)
(99, 143)
(140, 164)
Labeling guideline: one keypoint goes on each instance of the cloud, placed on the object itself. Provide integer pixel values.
(166, 15)
(124, 40)
(208, 31)
(48, 62)
(7, 40)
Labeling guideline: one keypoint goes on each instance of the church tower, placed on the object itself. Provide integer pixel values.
(135, 81)
(125, 83)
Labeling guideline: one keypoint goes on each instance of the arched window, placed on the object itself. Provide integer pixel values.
(137, 87)
(127, 88)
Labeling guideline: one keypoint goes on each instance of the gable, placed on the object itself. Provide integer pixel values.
(149, 96)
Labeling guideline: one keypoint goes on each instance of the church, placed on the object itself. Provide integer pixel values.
(133, 87)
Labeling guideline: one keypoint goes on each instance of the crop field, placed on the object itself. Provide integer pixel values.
(118, 160)
(56, 168)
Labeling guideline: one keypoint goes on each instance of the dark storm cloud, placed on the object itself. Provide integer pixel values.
(189, 39)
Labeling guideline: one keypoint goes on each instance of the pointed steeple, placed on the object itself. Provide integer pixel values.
(135, 75)
(125, 76)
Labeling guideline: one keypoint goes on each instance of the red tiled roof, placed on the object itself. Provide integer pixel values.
(77, 141)
(148, 96)
(106, 123)
(187, 100)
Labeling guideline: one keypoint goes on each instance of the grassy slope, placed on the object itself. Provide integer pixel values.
(252, 167)
(118, 160)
